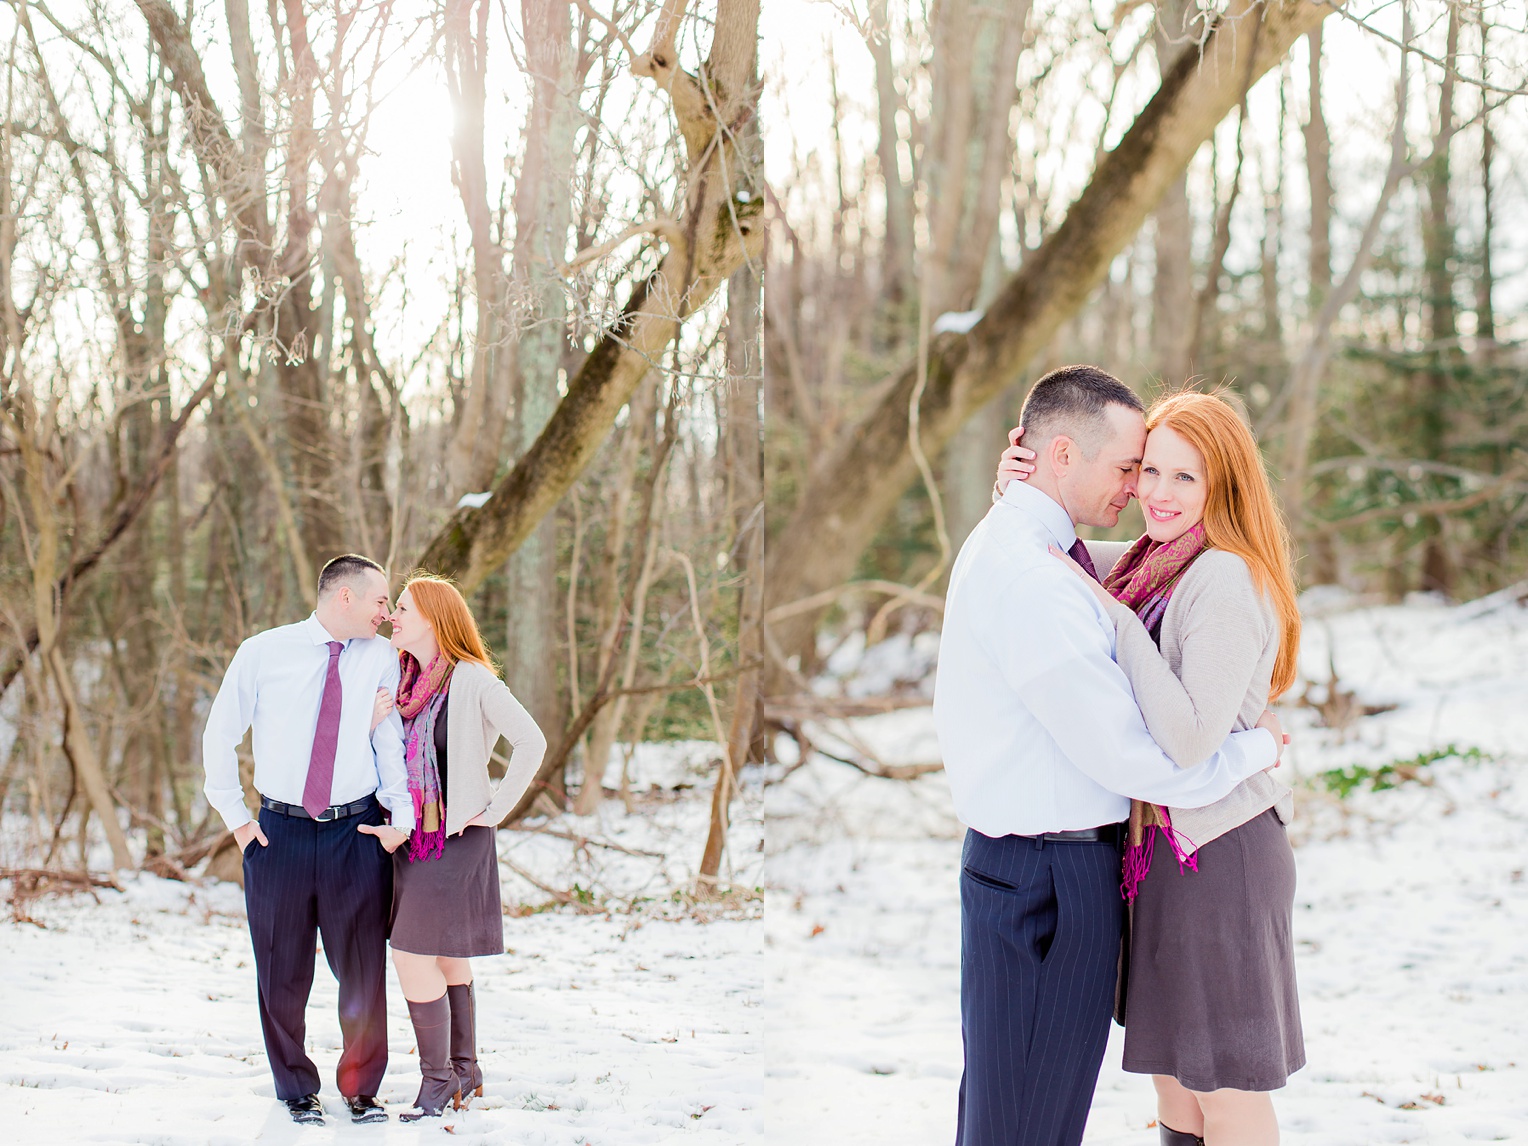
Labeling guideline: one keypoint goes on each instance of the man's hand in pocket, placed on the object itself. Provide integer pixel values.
(387, 835)
(250, 831)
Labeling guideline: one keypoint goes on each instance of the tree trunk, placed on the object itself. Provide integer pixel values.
(154, 723)
(1272, 247)
(1304, 392)
(237, 173)
(312, 449)
(473, 458)
(41, 497)
(717, 231)
(745, 472)
(543, 196)
(1172, 284)
(1318, 170)
(975, 65)
(855, 488)
(606, 728)
(380, 412)
(121, 520)
(975, 90)
(1203, 328)
(88, 766)
(1438, 251)
(897, 251)
(1485, 284)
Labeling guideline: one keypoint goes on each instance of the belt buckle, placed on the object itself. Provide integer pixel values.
(325, 816)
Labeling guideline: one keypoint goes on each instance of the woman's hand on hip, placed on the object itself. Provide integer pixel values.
(387, 835)
(480, 820)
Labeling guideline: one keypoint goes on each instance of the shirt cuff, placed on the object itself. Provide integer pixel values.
(402, 817)
(1262, 750)
(235, 816)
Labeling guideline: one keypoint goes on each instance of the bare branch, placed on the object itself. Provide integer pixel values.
(666, 229)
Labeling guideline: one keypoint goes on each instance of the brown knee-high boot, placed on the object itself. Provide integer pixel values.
(438, 1085)
(464, 1042)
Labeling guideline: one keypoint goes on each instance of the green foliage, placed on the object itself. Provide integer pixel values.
(1416, 453)
(683, 715)
(1345, 781)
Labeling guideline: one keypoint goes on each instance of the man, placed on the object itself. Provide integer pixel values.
(318, 859)
(1044, 745)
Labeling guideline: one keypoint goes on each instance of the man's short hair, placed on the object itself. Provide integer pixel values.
(1072, 400)
(346, 569)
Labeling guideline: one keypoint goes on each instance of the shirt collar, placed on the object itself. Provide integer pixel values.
(1040, 506)
(320, 635)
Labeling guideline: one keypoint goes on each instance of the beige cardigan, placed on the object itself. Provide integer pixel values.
(1211, 676)
(480, 711)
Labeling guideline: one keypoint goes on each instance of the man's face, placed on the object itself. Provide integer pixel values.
(364, 608)
(1095, 490)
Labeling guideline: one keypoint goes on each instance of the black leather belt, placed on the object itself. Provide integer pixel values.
(336, 812)
(1105, 834)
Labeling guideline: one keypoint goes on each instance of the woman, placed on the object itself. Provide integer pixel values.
(446, 906)
(1207, 630)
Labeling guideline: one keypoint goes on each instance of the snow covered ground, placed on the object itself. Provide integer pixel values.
(134, 1020)
(1411, 914)
(834, 1018)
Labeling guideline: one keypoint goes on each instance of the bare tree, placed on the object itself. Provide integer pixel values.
(853, 490)
(712, 232)
(1439, 252)
(543, 194)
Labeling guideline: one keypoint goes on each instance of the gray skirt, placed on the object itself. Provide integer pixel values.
(1212, 999)
(449, 905)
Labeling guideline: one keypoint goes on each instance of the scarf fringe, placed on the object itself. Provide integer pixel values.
(1137, 864)
(425, 845)
(1138, 856)
(427, 842)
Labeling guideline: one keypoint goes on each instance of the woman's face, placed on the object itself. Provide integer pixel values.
(408, 624)
(1172, 485)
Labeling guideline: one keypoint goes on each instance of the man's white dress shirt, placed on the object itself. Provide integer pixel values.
(1037, 725)
(276, 682)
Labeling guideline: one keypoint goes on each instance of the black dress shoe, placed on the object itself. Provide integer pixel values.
(365, 1108)
(306, 1110)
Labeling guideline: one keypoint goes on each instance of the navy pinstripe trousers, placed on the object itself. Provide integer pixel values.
(320, 878)
(1040, 934)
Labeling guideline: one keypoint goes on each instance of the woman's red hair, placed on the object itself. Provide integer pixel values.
(441, 603)
(1240, 514)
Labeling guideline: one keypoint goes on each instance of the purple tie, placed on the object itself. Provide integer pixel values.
(1079, 553)
(326, 737)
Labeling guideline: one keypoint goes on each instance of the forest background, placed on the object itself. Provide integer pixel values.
(464, 286)
(1310, 208)
(686, 337)
(479, 288)
(1314, 209)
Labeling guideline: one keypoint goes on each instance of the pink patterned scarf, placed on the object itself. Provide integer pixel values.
(1144, 579)
(421, 693)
